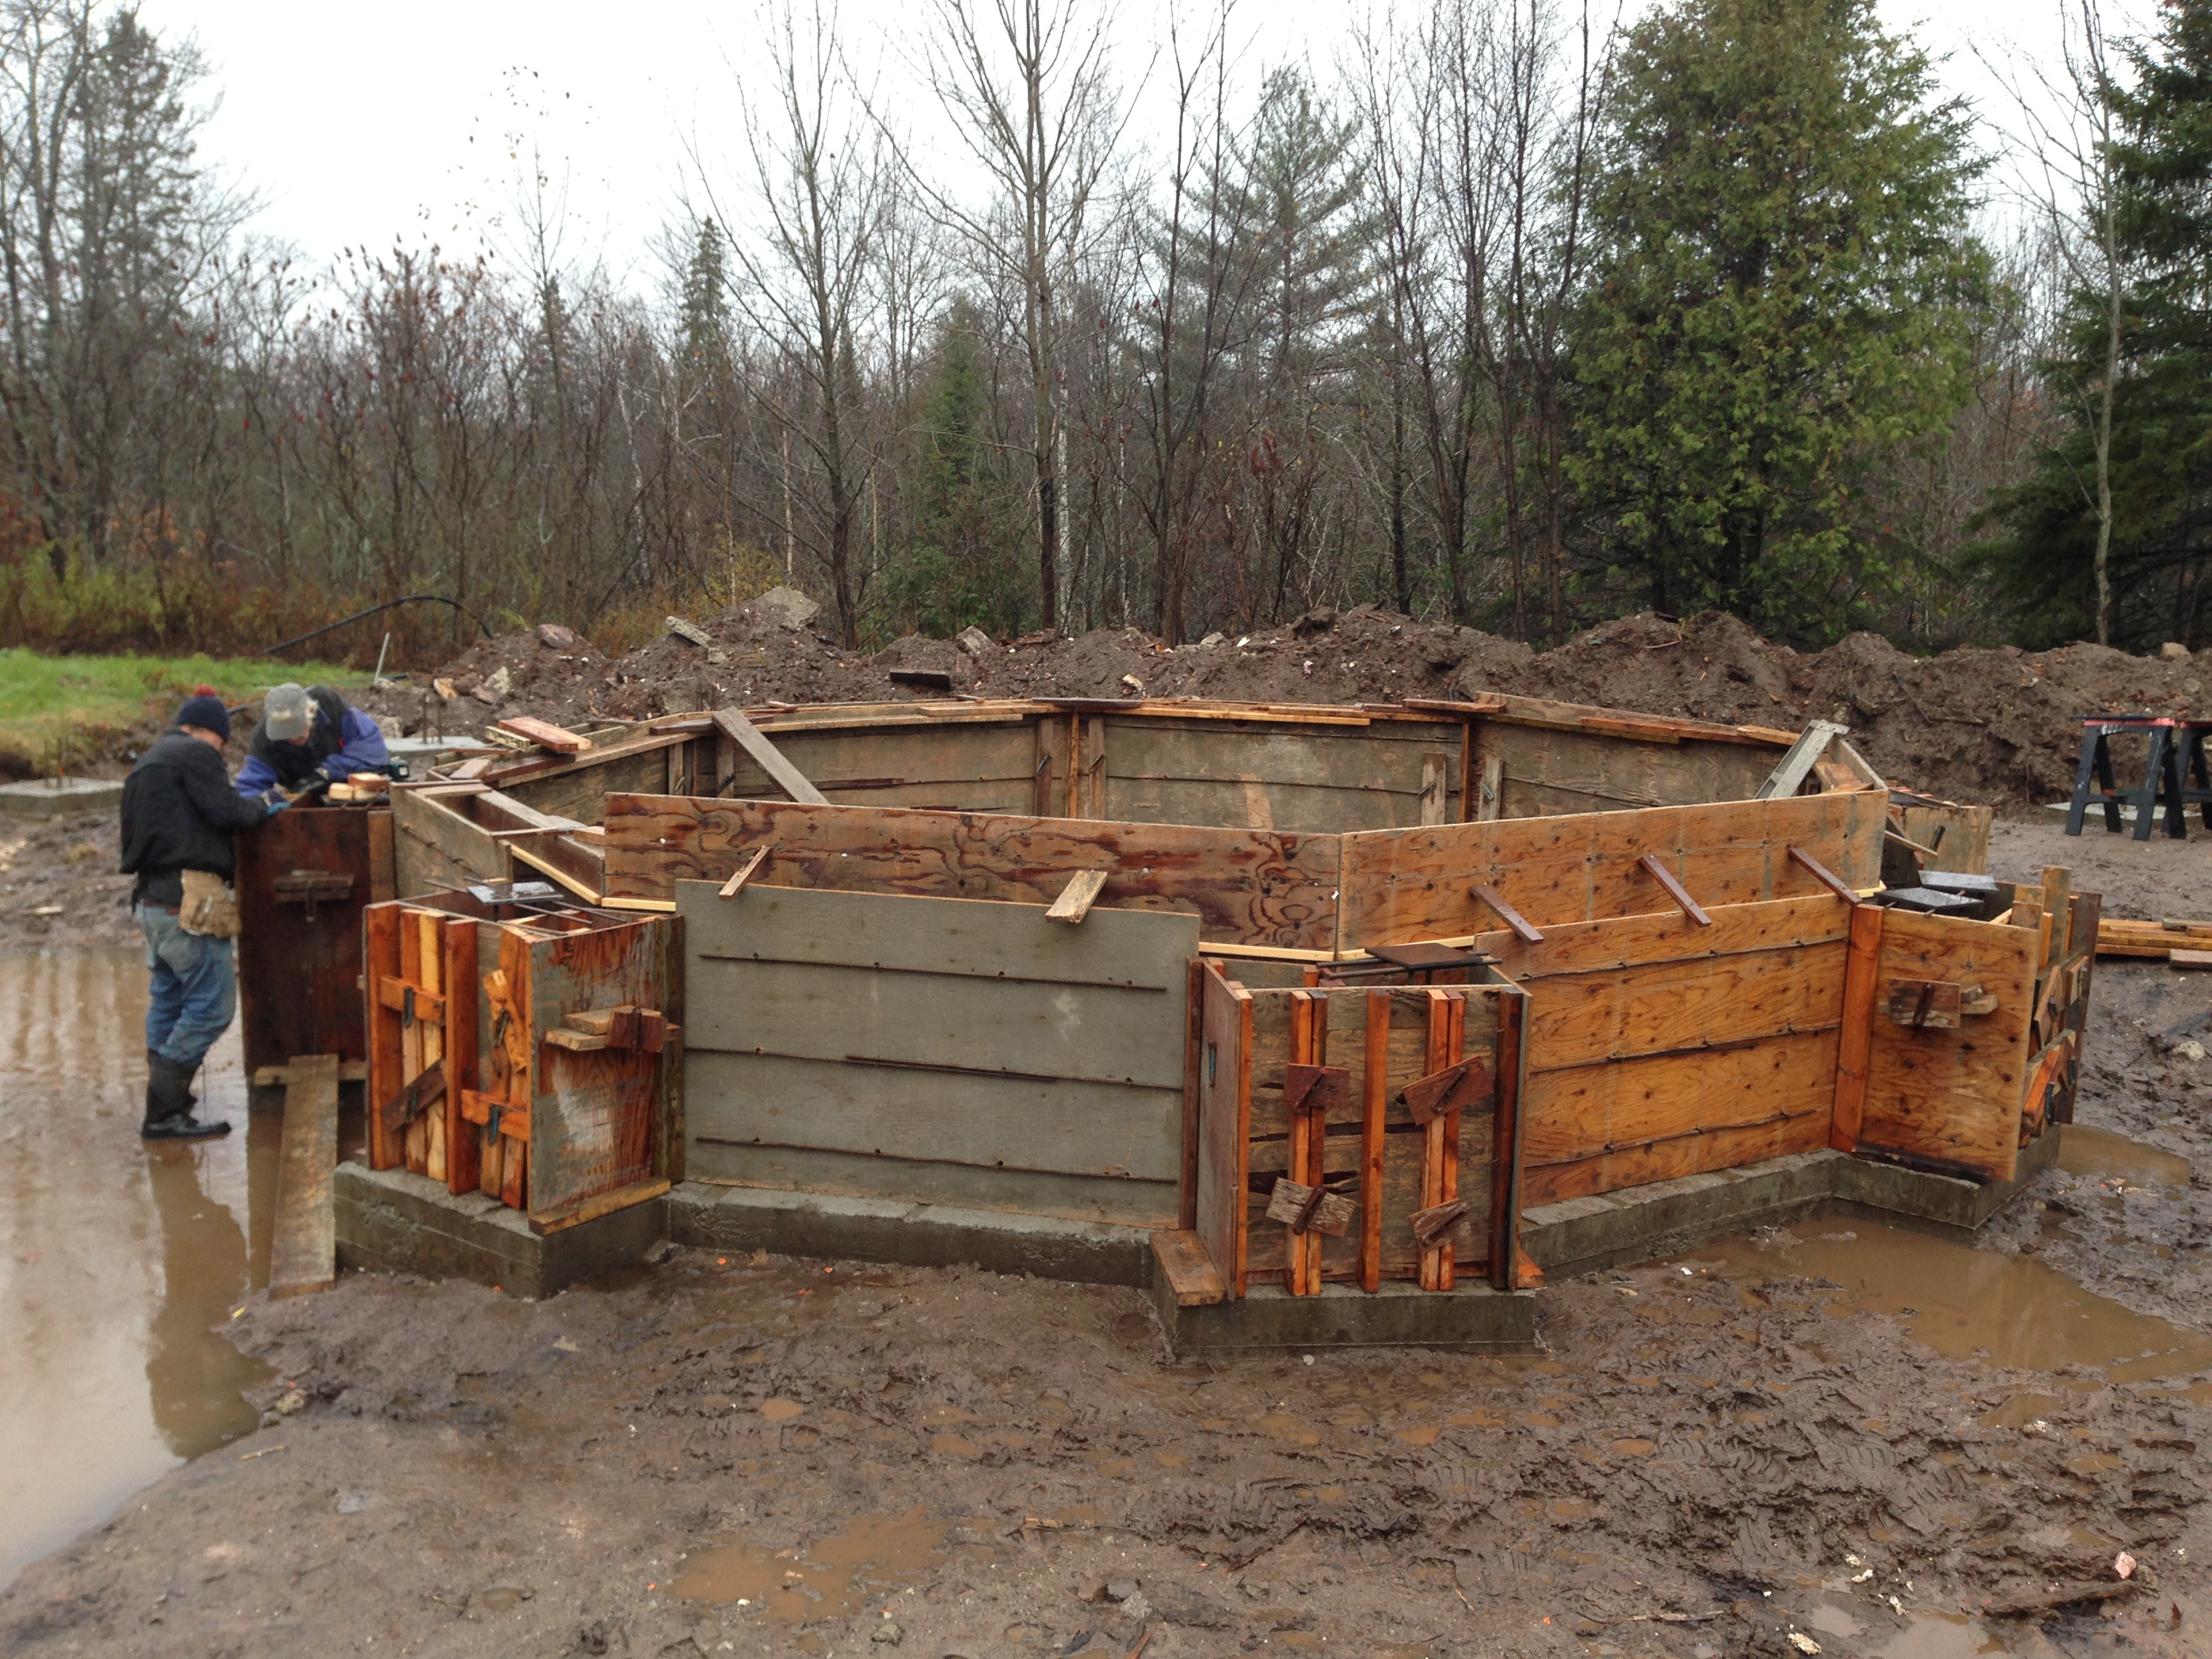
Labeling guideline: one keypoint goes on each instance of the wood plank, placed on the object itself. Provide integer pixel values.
(1225, 1113)
(1409, 884)
(1076, 898)
(1048, 778)
(746, 871)
(380, 960)
(383, 870)
(1512, 1012)
(1951, 1099)
(1861, 979)
(1375, 1089)
(1246, 887)
(579, 789)
(1575, 1115)
(1581, 1019)
(303, 1250)
(1663, 937)
(1718, 1148)
(436, 821)
(859, 1174)
(1194, 1058)
(591, 1209)
(464, 1148)
(546, 735)
(1180, 1258)
(1792, 769)
(789, 778)
(591, 1127)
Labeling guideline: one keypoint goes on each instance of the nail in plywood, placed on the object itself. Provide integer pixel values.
(1076, 898)
(302, 1254)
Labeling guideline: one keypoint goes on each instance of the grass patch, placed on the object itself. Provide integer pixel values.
(60, 712)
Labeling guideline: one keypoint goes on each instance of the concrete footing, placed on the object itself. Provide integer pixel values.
(51, 797)
(914, 1235)
(1638, 1223)
(1473, 1318)
(390, 1221)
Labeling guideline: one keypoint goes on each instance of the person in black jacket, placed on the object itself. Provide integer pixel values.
(179, 811)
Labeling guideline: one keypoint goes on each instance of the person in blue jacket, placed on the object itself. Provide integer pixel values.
(309, 735)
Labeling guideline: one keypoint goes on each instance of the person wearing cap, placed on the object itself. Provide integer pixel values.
(308, 735)
(179, 812)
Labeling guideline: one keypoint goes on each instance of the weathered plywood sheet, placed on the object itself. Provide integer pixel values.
(1952, 1098)
(1225, 1095)
(302, 1250)
(1245, 887)
(963, 768)
(580, 791)
(1958, 834)
(591, 1113)
(939, 1033)
(1548, 770)
(1316, 778)
(448, 844)
(1406, 884)
(1118, 1200)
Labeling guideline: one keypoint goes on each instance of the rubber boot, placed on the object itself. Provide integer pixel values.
(169, 1090)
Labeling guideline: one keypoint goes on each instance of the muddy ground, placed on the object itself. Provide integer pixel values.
(1835, 1432)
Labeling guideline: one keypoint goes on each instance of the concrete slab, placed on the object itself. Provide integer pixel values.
(1641, 1223)
(390, 1221)
(51, 797)
(1472, 1319)
(914, 1235)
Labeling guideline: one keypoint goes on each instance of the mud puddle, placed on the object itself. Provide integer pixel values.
(116, 1259)
(2100, 1155)
(829, 1577)
(1966, 1303)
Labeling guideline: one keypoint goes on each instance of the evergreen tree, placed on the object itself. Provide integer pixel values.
(703, 308)
(2161, 441)
(1781, 303)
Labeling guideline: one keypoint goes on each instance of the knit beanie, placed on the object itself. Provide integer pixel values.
(208, 713)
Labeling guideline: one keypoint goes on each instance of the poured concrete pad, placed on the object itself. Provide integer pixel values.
(51, 797)
(1640, 1224)
(390, 1221)
(914, 1235)
(1399, 1316)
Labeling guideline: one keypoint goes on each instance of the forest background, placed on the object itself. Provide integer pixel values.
(1509, 315)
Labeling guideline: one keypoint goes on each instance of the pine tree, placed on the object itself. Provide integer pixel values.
(1781, 302)
(703, 308)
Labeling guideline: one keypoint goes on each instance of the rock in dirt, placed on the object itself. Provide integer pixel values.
(555, 637)
(975, 641)
(786, 607)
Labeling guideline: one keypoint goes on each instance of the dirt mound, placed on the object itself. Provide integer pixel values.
(2000, 725)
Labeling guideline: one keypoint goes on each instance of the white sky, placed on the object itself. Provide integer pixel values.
(358, 125)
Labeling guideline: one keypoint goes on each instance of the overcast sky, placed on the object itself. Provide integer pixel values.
(357, 126)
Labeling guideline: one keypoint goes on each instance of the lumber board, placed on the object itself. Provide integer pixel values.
(1862, 982)
(1587, 1112)
(380, 956)
(1076, 899)
(1182, 1258)
(1587, 1018)
(2118, 938)
(591, 1209)
(556, 738)
(1316, 779)
(1959, 835)
(1952, 1098)
(592, 1129)
(303, 1249)
(765, 755)
(961, 767)
(1224, 1103)
(1016, 1125)
(1668, 1160)
(383, 870)
(1664, 936)
(1793, 768)
(1245, 886)
(1409, 884)
(579, 790)
(457, 839)
(420, 869)
(859, 1174)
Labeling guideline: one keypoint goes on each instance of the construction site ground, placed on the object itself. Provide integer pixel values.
(1872, 1441)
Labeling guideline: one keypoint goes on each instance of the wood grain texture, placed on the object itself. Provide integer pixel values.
(380, 961)
(1224, 1091)
(1581, 1019)
(303, 1249)
(1951, 1099)
(1862, 977)
(1113, 1199)
(1316, 779)
(1181, 1256)
(592, 1115)
(1243, 886)
(438, 822)
(1404, 885)
(463, 1150)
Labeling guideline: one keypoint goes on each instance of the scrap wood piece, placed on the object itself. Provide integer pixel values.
(578, 1042)
(1455, 1088)
(545, 734)
(1076, 898)
(748, 737)
(303, 1252)
(1310, 1209)
(595, 1022)
(1931, 1004)
(1659, 873)
(736, 883)
(1317, 1089)
(691, 633)
(1190, 1272)
(2188, 958)
(413, 1099)
(1438, 1222)
(1825, 877)
(1506, 914)
(591, 1209)
(1812, 743)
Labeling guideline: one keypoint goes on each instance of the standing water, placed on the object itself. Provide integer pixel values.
(117, 1260)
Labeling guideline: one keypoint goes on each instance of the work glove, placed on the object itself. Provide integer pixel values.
(273, 801)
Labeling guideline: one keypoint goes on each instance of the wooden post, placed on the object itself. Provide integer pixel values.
(1436, 769)
(1505, 1153)
(1370, 1140)
(1855, 1042)
(1194, 1060)
(381, 961)
(464, 1147)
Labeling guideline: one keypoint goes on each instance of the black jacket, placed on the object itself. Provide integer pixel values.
(178, 810)
(293, 762)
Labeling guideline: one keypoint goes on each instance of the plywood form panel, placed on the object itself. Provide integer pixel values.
(1668, 1160)
(295, 973)
(956, 1032)
(1581, 1019)
(1952, 1098)
(1406, 885)
(1245, 887)
(1317, 779)
(1550, 771)
(809, 1170)
(434, 820)
(580, 791)
(591, 1114)
(1666, 937)
(1224, 1084)
(1959, 835)
(963, 768)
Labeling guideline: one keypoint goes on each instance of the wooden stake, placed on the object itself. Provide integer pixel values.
(1370, 1140)
(1854, 1043)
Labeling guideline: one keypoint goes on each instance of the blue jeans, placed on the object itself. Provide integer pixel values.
(193, 993)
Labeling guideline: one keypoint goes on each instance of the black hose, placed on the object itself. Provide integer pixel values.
(411, 598)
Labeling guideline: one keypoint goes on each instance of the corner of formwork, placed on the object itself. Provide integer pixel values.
(392, 1221)
(1468, 1318)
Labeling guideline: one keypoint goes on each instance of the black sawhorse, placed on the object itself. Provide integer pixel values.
(2176, 773)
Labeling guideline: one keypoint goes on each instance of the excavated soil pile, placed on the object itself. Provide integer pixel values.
(2001, 726)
